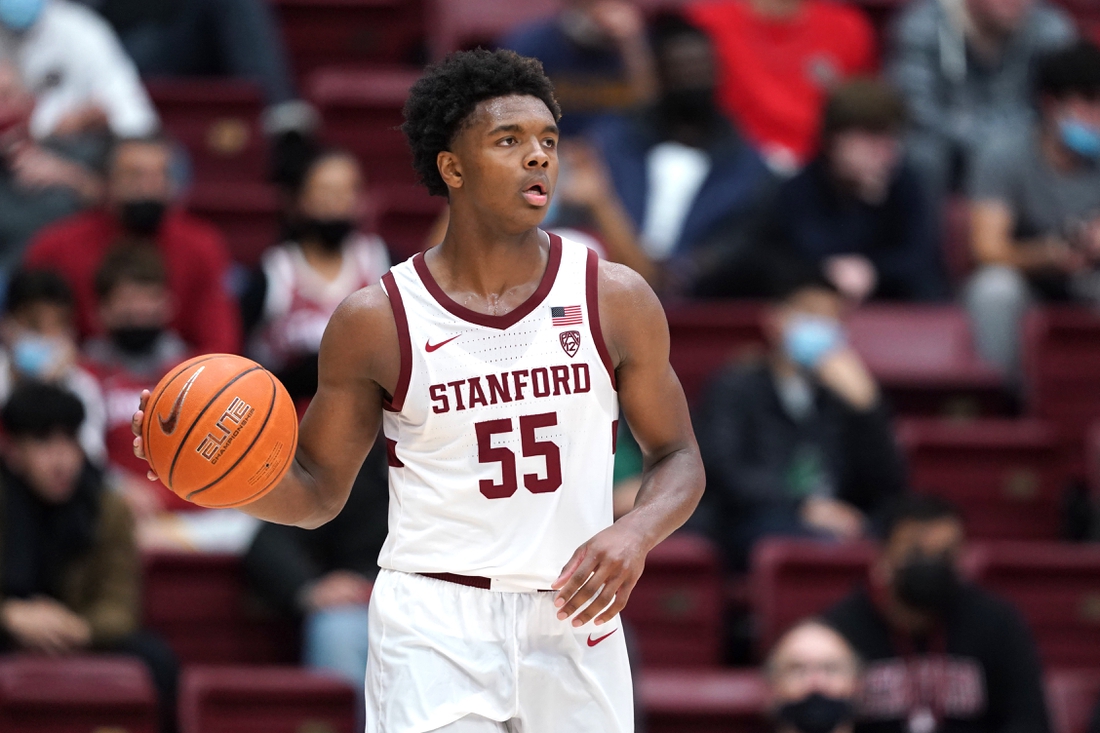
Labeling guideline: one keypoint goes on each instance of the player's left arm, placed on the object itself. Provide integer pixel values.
(607, 567)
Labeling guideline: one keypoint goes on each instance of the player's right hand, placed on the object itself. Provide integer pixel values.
(135, 426)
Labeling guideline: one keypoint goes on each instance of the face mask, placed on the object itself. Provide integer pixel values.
(136, 340)
(143, 216)
(20, 15)
(37, 356)
(330, 233)
(808, 339)
(927, 583)
(817, 713)
(1080, 138)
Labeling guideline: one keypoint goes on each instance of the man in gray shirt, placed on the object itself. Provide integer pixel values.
(1035, 219)
(964, 67)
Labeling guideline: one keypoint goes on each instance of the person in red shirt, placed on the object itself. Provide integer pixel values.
(139, 206)
(778, 60)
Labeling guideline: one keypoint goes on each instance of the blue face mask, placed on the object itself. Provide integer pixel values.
(36, 356)
(808, 339)
(19, 15)
(1080, 138)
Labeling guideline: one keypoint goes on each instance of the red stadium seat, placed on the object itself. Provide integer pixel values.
(1072, 695)
(792, 579)
(707, 336)
(264, 700)
(1061, 367)
(41, 695)
(363, 113)
(723, 701)
(1057, 588)
(199, 604)
(218, 121)
(676, 608)
(1004, 475)
(246, 213)
(351, 32)
(924, 358)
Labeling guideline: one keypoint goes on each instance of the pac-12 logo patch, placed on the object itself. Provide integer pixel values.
(570, 341)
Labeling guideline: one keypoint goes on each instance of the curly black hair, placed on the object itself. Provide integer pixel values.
(440, 102)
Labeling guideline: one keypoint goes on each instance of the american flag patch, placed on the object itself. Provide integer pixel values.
(569, 315)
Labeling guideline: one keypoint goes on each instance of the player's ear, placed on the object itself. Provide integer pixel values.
(449, 169)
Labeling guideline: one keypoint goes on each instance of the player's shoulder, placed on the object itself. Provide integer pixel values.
(367, 307)
(621, 287)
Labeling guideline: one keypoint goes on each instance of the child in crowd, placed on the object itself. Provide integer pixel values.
(39, 343)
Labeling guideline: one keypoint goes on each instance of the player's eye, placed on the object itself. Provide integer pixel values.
(550, 142)
(508, 141)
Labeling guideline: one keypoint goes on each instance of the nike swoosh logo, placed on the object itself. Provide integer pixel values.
(168, 424)
(594, 642)
(430, 347)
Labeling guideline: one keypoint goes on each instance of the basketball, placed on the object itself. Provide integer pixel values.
(220, 430)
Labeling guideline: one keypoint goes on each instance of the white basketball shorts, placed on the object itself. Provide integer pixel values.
(440, 652)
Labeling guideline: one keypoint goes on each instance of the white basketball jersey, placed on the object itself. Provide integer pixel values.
(501, 429)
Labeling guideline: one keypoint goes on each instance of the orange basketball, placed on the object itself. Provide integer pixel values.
(220, 430)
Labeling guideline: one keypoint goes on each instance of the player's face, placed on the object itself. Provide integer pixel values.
(504, 163)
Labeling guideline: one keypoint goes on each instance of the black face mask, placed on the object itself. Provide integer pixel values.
(817, 713)
(329, 233)
(927, 583)
(136, 340)
(143, 216)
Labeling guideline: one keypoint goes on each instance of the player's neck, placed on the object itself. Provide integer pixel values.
(474, 258)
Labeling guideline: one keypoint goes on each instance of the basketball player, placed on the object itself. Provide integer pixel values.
(496, 363)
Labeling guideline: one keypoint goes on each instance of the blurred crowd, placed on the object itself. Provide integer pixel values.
(778, 150)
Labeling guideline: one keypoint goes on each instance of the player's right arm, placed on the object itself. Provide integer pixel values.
(358, 364)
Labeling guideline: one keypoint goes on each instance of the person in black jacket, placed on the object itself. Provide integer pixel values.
(940, 655)
(799, 443)
(325, 576)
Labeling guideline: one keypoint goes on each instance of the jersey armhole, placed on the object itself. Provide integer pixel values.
(592, 295)
(397, 401)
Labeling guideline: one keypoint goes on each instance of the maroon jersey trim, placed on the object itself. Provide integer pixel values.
(397, 401)
(481, 319)
(592, 289)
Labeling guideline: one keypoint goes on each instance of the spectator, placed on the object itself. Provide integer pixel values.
(40, 181)
(1035, 222)
(778, 58)
(597, 55)
(683, 172)
(71, 60)
(965, 69)
(39, 345)
(797, 444)
(301, 282)
(70, 573)
(138, 348)
(140, 204)
(858, 211)
(325, 576)
(940, 654)
(813, 676)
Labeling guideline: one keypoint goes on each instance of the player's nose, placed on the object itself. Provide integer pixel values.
(538, 157)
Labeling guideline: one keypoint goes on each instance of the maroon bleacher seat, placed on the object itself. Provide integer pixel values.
(791, 579)
(404, 216)
(676, 608)
(218, 121)
(705, 337)
(1004, 475)
(1057, 588)
(66, 695)
(264, 700)
(199, 604)
(1062, 371)
(1071, 696)
(725, 701)
(924, 358)
(246, 213)
(362, 110)
(958, 255)
(351, 32)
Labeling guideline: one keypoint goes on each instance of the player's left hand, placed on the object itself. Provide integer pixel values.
(605, 568)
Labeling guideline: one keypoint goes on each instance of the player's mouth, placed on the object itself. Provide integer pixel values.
(537, 194)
